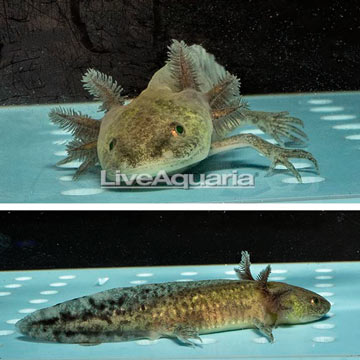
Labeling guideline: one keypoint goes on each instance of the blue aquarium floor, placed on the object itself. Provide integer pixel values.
(30, 147)
(334, 337)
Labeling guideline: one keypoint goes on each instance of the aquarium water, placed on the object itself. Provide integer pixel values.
(31, 146)
(336, 336)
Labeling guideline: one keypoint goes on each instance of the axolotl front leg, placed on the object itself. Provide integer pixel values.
(276, 154)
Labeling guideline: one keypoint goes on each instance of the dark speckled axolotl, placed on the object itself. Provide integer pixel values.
(181, 310)
(180, 119)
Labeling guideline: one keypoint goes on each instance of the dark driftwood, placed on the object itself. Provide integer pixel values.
(272, 45)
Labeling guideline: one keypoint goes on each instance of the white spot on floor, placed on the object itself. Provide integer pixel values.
(82, 192)
(252, 131)
(102, 281)
(230, 272)
(13, 286)
(260, 340)
(67, 277)
(323, 270)
(184, 280)
(305, 180)
(277, 278)
(323, 339)
(338, 117)
(324, 277)
(60, 153)
(60, 142)
(330, 314)
(144, 274)
(70, 165)
(188, 273)
(38, 301)
(138, 282)
(326, 293)
(326, 108)
(66, 178)
(321, 285)
(279, 271)
(58, 284)
(59, 132)
(5, 293)
(48, 292)
(347, 127)
(205, 341)
(147, 342)
(26, 311)
(297, 165)
(6, 332)
(324, 326)
(12, 321)
(320, 101)
(23, 278)
(353, 137)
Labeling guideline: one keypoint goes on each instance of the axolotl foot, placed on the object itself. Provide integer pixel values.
(184, 333)
(276, 154)
(280, 124)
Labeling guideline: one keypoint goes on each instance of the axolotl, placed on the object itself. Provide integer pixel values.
(183, 116)
(180, 310)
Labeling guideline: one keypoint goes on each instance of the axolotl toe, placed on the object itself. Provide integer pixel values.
(183, 116)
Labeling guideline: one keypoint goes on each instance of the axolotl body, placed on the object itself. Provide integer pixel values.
(181, 310)
(183, 116)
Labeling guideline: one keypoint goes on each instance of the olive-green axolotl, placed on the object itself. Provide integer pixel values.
(181, 310)
(182, 117)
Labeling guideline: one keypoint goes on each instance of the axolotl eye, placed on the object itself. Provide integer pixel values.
(314, 301)
(112, 144)
(177, 130)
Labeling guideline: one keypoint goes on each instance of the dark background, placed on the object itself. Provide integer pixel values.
(34, 240)
(272, 45)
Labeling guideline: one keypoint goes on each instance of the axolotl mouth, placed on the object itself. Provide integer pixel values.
(166, 164)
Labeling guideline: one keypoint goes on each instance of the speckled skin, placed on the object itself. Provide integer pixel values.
(142, 133)
(174, 309)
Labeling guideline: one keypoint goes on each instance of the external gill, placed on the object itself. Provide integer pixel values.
(84, 128)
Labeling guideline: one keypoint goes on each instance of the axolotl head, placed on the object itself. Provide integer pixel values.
(298, 305)
(159, 130)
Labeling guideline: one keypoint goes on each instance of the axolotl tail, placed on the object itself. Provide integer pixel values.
(86, 320)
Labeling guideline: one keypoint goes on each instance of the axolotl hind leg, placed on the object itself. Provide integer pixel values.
(184, 333)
